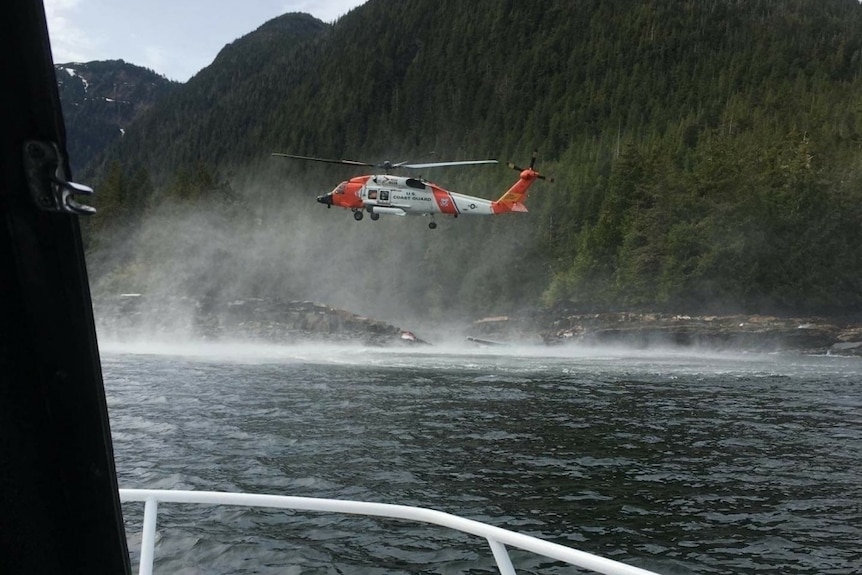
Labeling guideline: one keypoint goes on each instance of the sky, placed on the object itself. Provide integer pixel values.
(174, 38)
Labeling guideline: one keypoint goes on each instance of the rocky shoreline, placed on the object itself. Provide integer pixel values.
(132, 316)
(754, 333)
(135, 315)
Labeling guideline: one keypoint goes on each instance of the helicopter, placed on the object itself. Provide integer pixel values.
(387, 194)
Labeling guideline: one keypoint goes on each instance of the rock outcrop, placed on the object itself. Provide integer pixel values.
(133, 315)
(642, 330)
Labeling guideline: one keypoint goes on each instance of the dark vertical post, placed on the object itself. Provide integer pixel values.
(59, 506)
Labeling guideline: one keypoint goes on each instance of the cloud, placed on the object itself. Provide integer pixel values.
(326, 10)
(68, 42)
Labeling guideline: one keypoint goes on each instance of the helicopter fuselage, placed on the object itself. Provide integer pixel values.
(396, 195)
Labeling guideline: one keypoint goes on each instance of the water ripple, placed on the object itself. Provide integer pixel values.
(676, 464)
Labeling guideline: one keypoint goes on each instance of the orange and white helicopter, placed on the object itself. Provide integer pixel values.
(401, 196)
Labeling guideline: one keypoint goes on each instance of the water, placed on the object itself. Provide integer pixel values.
(678, 463)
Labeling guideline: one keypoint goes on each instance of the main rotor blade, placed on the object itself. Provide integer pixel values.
(441, 164)
(328, 161)
(386, 165)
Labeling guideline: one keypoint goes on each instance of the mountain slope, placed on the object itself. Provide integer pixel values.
(499, 72)
(222, 111)
(100, 100)
(706, 153)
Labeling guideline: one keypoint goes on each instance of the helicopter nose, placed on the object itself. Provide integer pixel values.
(327, 199)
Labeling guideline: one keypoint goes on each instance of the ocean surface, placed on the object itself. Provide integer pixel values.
(674, 462)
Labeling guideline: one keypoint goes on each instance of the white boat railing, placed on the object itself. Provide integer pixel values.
(497, 537)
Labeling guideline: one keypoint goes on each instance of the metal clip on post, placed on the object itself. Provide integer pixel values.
(47, 181)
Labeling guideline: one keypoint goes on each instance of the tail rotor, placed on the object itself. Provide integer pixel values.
(531, 168)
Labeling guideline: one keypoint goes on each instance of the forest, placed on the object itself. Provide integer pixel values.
(706, 156)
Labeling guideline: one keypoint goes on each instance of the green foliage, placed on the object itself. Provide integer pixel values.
(706, 153)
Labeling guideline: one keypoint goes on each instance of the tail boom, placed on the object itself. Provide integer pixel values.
(513, 199)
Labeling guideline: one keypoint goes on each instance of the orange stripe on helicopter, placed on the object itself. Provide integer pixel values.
(444, 201)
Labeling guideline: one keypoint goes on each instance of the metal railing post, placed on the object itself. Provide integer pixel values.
(501, 555)
(148, 536)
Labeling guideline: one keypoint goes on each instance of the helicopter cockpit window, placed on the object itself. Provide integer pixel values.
(372, 194)
(340, 188)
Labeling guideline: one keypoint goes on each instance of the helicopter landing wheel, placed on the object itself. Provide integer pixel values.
(357, 215)
(374, 216)
(432, 225)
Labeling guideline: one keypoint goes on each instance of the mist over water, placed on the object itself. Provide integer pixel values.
(455, 351)
(276, 241)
